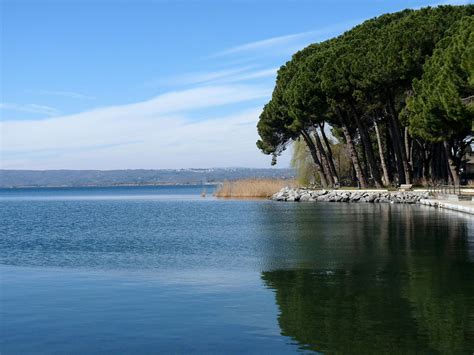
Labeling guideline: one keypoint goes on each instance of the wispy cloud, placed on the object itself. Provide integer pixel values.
(173, 101)
(446, 2)
(202, 77)
(453, 2)
(243, 62)
(266, 43)
(163, 134)
(67, 94)
(30, 108)
(232, 75)
(162, 130)
(257, 74)
(278, 44)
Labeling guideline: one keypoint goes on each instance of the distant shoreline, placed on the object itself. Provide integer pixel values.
(141, 177)
(107, 185)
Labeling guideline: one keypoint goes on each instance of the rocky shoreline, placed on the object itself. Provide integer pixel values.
(310, 195)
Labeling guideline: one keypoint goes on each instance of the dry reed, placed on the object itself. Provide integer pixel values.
(252, 188)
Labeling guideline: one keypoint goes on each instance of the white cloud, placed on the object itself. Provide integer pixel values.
(151, 134)
(30, 108)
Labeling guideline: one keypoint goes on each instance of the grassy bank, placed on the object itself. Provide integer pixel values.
(252, 188)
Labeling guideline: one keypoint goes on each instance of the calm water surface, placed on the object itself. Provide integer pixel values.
(160, 269)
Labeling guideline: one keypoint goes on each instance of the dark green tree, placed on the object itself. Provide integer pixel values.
(278, 128)
(360, 82)
(437, 111)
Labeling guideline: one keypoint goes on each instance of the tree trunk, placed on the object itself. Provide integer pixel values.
(409, 151)
(314, 155)
(325, 159)
(397, 154)
(444, 166)
(426, 171)
(399, 149)
(324, 168)
(382, 158)
(433, 172)
(353, 175)
(353, 152)
(390, 158)
(426, 153)
(439, 166)
(329, 154)
(453, 168)
(407, 143)
(365, 164)
(374, 169)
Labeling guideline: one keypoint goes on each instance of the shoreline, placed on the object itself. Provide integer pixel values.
(458, 206)
(111, 185)
(420, 197)
(349, 196)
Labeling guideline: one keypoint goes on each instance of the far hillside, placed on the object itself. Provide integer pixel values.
(71, 178)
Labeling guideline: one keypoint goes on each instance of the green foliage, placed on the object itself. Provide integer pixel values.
(369, 73)
(272, 130)
(306, 100)
(302, 162)
(436, 111)
(306, 173)
(276, 126)
(342, 162)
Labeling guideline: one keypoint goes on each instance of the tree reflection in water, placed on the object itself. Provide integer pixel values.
(407, 284)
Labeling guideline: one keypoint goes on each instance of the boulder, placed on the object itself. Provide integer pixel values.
(306, 194)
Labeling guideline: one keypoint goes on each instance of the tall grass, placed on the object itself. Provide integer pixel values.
(252, 188)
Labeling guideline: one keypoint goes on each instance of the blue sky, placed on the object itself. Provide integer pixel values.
(152, 84)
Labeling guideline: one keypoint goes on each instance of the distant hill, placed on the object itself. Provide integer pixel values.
(50, 178)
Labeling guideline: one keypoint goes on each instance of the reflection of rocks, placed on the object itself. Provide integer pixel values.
(307, 195)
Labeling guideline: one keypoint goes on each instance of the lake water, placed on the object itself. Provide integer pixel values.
(163, 270)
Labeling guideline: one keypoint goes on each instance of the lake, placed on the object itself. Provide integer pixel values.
(163, 270)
